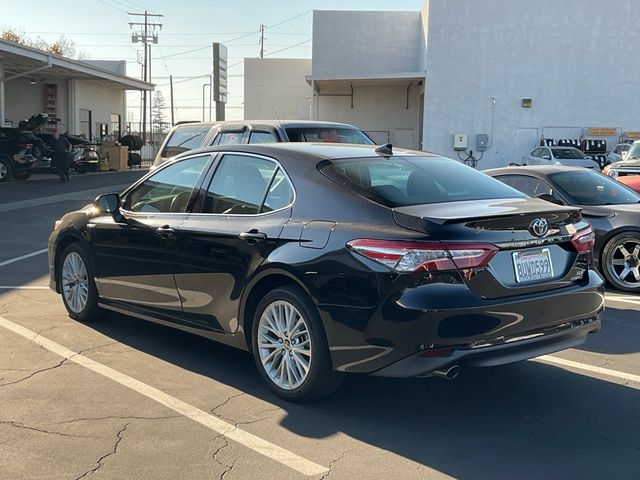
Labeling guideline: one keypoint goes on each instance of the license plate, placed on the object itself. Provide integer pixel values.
(532, 265)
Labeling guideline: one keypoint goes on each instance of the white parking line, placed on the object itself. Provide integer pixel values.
(23, 257)
(26, 287)
(561, 362)
(257, 444)
(618, 297)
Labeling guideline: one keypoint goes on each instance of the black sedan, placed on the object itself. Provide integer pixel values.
(326, 259)
(612, 209)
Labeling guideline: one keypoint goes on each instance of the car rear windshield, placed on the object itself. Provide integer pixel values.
(184, 139)
(591, 188)
(327, 135)
(568, 153)
(402, 181)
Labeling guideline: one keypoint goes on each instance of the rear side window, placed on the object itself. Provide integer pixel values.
(229, 138)
(403, 181)
(245, 185)
(185, 138)
(328, 135)
(262, 137)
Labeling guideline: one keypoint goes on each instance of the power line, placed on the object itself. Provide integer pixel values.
(289, 19)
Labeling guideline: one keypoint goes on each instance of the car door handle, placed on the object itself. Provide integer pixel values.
(253, 236)
(165, 231)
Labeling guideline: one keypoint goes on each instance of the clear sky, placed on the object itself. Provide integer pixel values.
(100, 29)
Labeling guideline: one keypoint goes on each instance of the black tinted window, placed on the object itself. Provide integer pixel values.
(531, 186)
(328, 135)
(169, 190)
(593, 188)
(568, 153)
(262, 137)
(401, 181)
(239, 185)
(185, 138)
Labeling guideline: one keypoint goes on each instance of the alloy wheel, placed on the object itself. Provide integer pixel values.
(4, 171)
(284, 345)
(624, 262)
(75, 282)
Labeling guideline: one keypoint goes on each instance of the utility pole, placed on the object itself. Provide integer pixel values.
(146, 34)
(171, 94)
(262, 27)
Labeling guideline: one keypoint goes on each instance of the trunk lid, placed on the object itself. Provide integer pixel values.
(507, 224)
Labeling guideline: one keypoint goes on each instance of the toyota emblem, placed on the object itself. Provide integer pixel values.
(539, 227)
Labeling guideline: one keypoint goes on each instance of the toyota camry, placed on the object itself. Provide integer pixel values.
(324, 260)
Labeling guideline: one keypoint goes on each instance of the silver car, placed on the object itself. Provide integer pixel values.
(616, 155)
(568, 156)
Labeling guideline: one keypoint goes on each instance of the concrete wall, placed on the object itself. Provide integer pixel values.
(577, 60)
(379, 108)
(353, 44)
(23, 99)
(275, 88)
(99, 97)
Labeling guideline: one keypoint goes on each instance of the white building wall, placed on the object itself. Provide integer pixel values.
(577, 60)
(275, 88)
(356, 44)
(101, 99)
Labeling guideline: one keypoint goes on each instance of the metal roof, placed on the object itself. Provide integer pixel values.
(20, 60)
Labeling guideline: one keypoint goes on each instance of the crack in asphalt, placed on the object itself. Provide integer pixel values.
(41, 430)
(333, 462)
(100, 461)
(116, 417)
(618, 442)
(227, 400)
(59, 364)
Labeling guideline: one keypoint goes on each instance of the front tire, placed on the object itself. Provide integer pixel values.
(22, 175)
(5, 169)
(77, 285)
(290, 348)
(621, 262)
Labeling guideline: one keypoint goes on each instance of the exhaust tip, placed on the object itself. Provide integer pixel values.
(448, 374)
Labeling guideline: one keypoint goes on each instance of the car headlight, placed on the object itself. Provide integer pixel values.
(611, 172)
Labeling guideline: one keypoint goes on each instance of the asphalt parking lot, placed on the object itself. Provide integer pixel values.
(122, 398)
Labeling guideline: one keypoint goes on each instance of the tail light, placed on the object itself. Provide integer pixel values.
(407, 256)
(583, 240)
(25, 145)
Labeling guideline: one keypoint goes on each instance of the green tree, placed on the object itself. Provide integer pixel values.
(158, 120)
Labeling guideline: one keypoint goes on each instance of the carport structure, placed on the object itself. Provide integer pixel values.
(88, 96)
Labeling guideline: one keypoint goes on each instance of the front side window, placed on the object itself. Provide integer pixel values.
(593, 188)
(245, 185)
(528, 185)
(403, 181)
(634, 151)
(185, 138)
(229, 138)
(169, 190)
(327, 135)
(262, 137)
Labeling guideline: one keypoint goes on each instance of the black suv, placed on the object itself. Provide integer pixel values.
(16, 157)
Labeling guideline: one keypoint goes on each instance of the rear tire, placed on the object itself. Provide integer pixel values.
(5, 169)
(77, 284)
(290, 347)
(621, 260)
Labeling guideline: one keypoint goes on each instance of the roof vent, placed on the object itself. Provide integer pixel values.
(385, 150)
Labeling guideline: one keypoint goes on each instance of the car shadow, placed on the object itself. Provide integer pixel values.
(620, 333)
(527, 420)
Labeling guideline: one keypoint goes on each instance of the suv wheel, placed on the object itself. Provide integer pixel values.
(78, 288)
(290, 348)
(5, 169)
(22, 175)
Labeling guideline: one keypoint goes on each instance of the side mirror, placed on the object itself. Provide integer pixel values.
(550, 198)
(546, 157)
(107, 203)
(624, 155)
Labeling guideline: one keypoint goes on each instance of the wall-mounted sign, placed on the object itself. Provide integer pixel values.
(631, 135)
(601, 132)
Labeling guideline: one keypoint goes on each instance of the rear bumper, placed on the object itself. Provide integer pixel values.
(543, 343)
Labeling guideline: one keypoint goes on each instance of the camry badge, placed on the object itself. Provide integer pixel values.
(539, 227)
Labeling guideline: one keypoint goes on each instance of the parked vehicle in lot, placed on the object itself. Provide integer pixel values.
(188, 136)
(612, 209)
(569, 156)
(16, 158)
(631, 181)
(332, 259)
(629, 166)
(617, 153)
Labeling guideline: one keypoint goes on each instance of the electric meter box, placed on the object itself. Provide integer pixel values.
(460, 141)
(482, 142)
